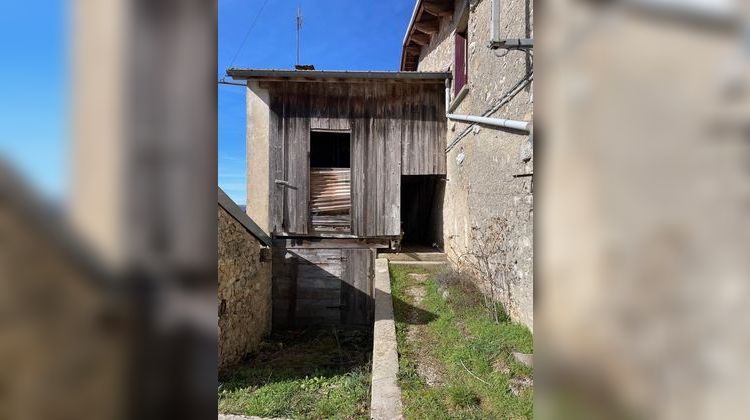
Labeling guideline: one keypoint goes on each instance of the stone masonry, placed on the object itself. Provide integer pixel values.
(488, 169)
(244, 297)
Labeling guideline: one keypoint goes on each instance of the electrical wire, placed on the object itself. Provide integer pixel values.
(250, 28)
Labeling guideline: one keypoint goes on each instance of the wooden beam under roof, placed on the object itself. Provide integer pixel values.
(428, 26)
(438, 8)
(413, 49)
(420, 38)
(424, 23)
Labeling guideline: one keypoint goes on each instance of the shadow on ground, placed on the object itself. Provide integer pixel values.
(297, 354)
(410, 314)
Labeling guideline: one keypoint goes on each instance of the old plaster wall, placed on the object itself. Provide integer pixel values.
(481, 186)
(258, 181)
(244, 296)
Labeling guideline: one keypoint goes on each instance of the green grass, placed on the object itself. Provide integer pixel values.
(323, 374)
(460, 335)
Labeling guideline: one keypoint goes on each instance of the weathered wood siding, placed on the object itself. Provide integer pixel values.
(321, 286)
(289, 144)
(396, 128)
(423, 139)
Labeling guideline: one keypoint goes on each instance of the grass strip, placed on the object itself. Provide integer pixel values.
(319, 374)
(473, 352)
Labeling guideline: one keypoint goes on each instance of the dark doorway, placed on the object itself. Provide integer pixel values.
(330, 182)
(329, 149)
(422, 210)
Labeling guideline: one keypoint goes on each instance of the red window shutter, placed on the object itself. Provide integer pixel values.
(460, 75)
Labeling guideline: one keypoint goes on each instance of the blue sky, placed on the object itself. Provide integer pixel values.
(336, 35)
(33, 91)
(34, 95)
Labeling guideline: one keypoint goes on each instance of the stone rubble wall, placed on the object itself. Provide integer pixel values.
(244, 296)
(481, 166)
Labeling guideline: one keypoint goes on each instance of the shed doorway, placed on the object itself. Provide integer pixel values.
(422, 212)
(330, 182)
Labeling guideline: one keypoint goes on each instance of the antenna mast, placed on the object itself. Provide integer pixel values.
(299, 26)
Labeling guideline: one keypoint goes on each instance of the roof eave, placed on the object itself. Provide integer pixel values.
(417, 4)
(330, 75)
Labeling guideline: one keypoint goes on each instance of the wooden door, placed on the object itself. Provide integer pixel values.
(356, 287)
(297, 171)
(322, 286)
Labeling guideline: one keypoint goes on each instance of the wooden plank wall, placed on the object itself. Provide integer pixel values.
(356, 287)
(396, 128)
(423, 145)
(296, 122)
(306, 288)
(322, 286)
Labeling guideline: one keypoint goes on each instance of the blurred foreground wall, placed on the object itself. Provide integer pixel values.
(64, 329)
(143, 194)
(643, 230)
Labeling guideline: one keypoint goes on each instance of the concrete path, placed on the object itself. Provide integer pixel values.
(386, 394)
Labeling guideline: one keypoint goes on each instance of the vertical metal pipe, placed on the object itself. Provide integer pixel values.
(495, 22)
(447, 95)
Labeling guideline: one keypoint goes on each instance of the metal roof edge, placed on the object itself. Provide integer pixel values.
(238, 74)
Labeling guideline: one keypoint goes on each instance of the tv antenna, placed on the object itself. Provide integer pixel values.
(299, 26)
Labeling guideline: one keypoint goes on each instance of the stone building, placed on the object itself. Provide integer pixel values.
(488, 200)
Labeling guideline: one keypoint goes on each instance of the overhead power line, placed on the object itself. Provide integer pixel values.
(250, 28)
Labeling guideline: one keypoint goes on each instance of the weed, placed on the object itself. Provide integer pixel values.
(461, 397)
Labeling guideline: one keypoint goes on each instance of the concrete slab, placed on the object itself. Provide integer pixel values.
(524, 358)
(385, 391)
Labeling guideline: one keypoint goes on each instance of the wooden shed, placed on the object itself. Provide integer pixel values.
(339, 165)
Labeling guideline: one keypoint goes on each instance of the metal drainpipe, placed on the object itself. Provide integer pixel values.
(497, 122)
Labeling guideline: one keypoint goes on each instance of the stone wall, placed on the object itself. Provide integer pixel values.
(483, 185)
(244, 296)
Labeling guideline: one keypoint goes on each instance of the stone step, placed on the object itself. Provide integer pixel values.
(438, 257)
